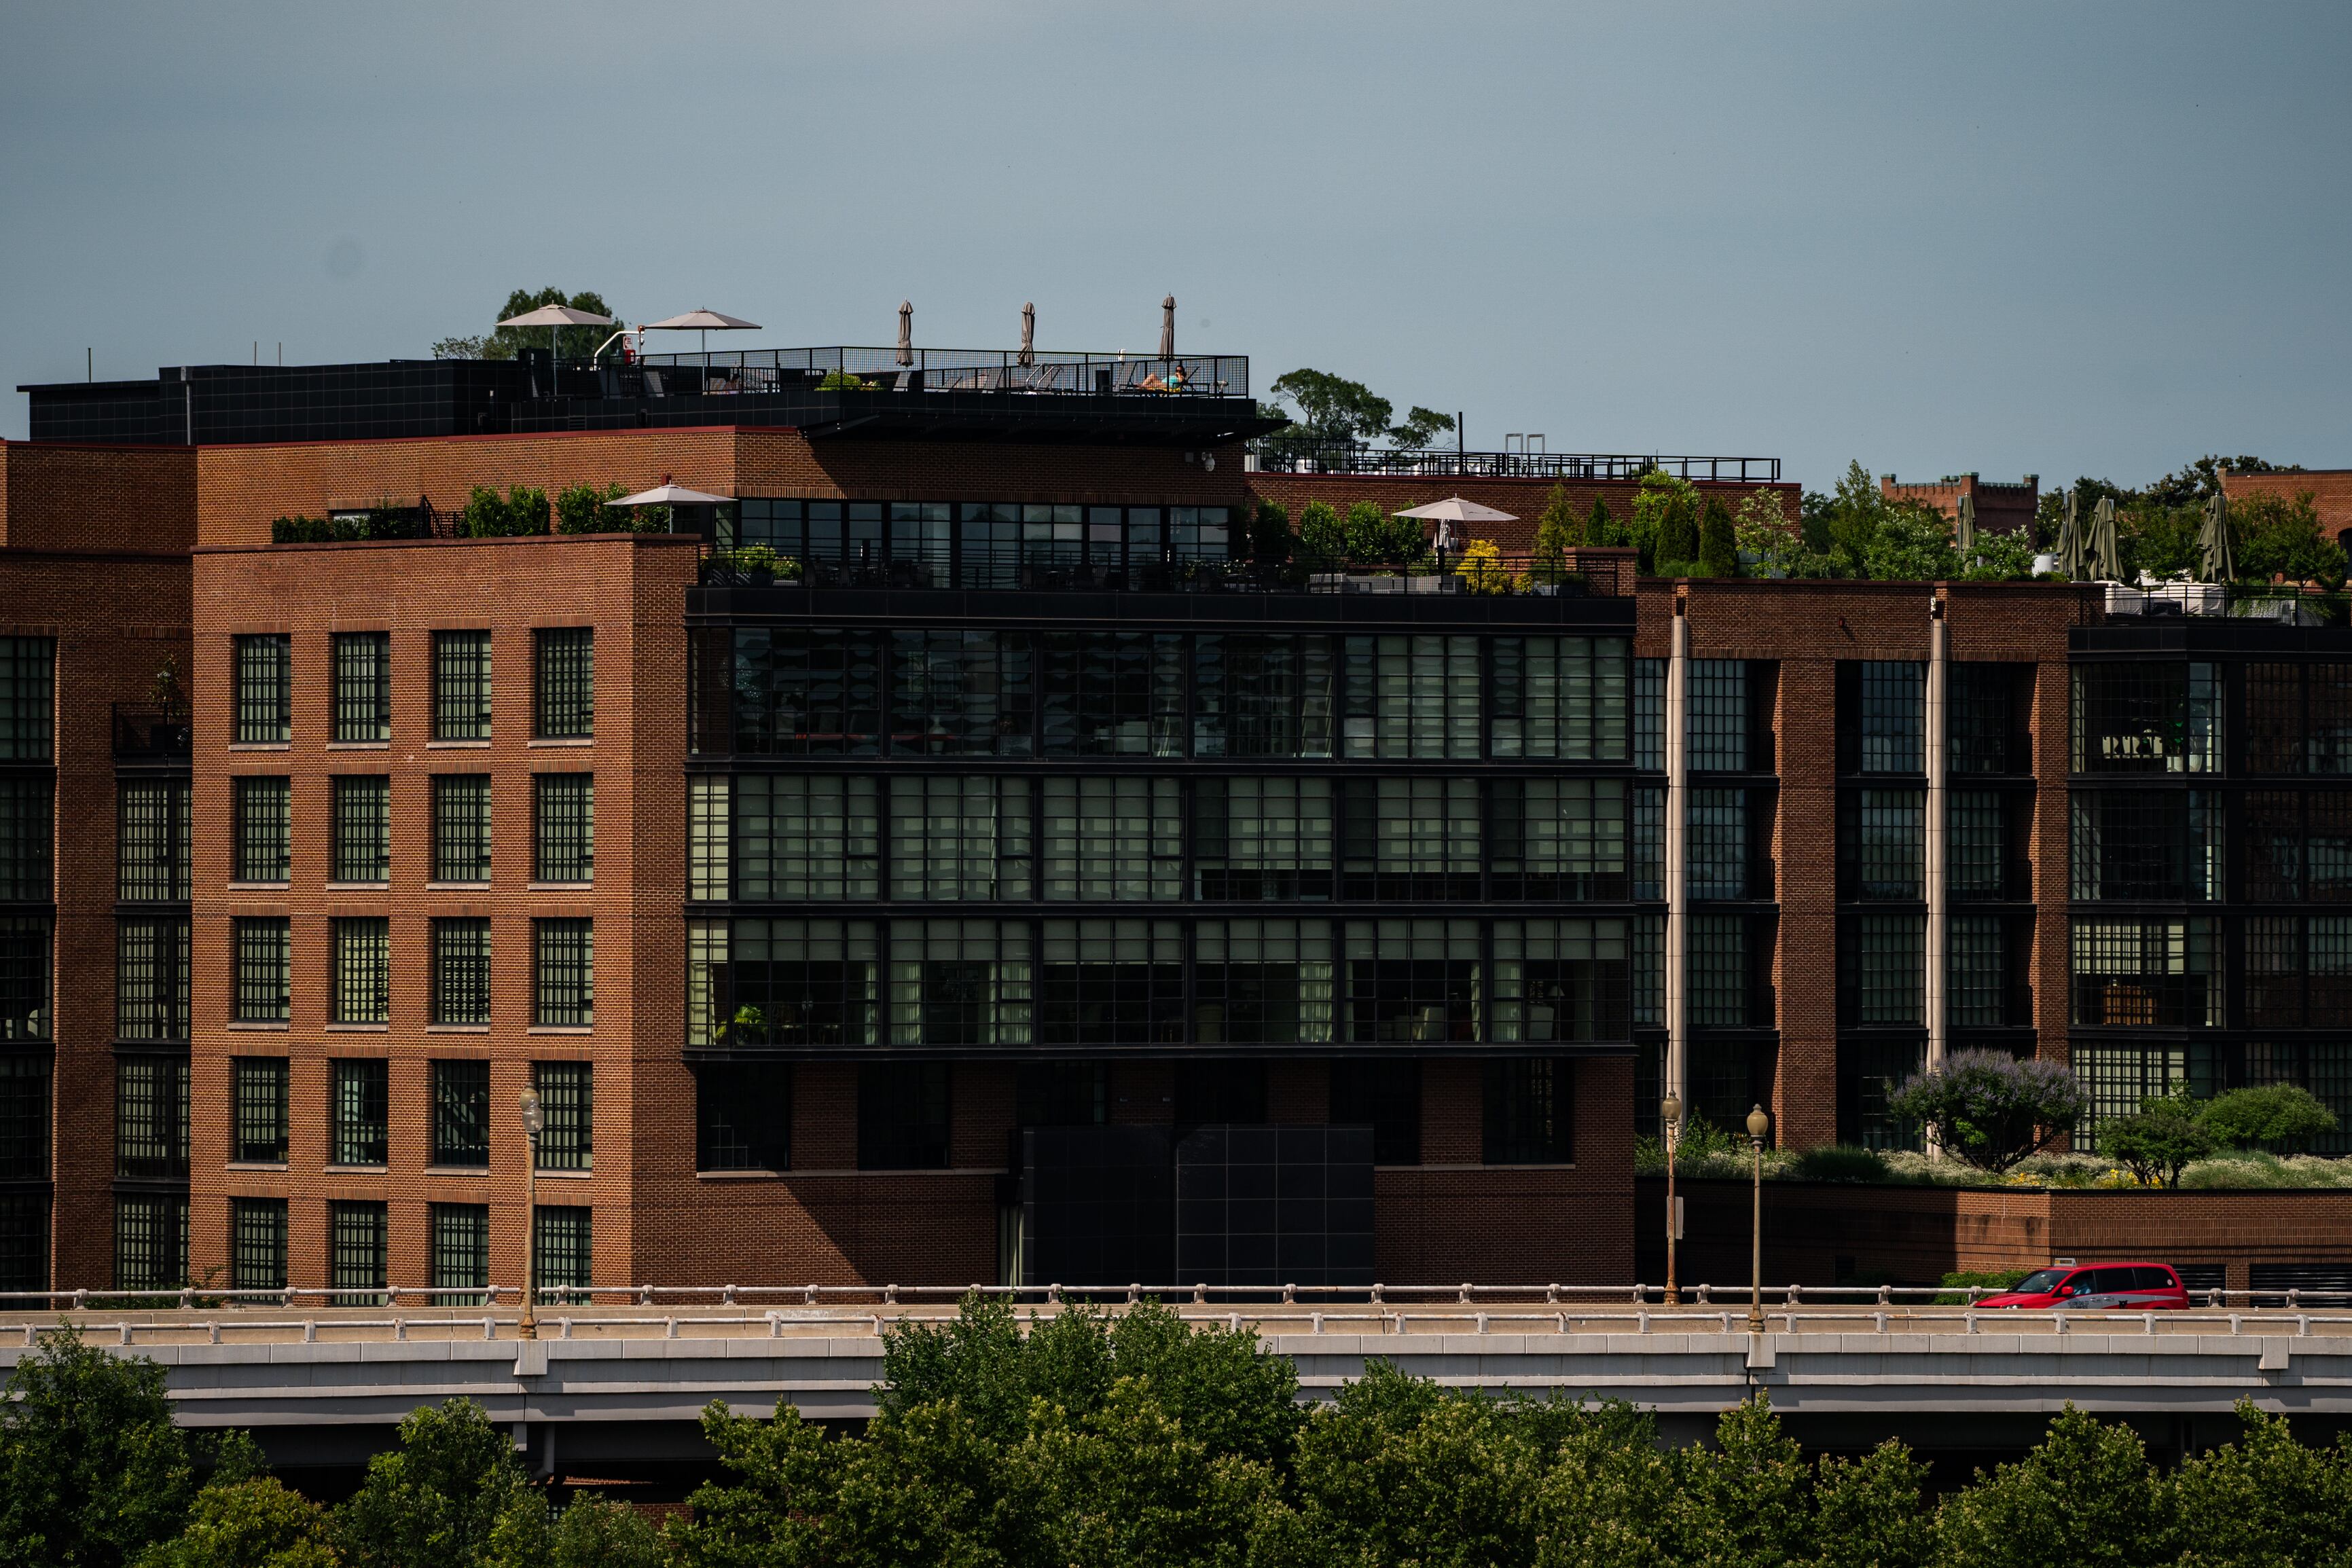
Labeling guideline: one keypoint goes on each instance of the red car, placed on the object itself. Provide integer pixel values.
(2125, 1287)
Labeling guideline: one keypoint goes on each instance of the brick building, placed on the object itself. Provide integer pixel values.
(2002, 506)
(1030, 890)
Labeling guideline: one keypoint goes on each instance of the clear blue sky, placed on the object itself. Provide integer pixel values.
(2064, 239)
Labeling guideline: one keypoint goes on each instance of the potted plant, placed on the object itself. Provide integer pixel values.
(748, 1027)
(757, 562)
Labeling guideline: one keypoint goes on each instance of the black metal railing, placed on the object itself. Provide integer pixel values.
(754, 371)
(145, 732)
(1498, 574)
(1278, 454)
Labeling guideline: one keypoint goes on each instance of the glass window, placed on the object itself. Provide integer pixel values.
(744, 1117)
(151, 977)
(565, 1254)
(1413, 980)
(1413, 696)
(1557, 838)
(358, 1105)
(1870, 1072)
(24, 1118)
(355, 1253)
(567, 1098)
(257, 1243)
(461, 1113)
(2275, 729)
(151, 1242)
(1113, 839)
(151, 1117)
(1981, 723)
(2327, 747)
(151, 840)
(1719, 970)
(1061, 1094)
(1563, 698)
(2274, 970)
(1112, 982)
(25, 837)
(265, 829)
(2166, 844)
(564, 682)
(265, 690)
(709, 837)
(1114, 693)
(25, 978)
(1385, 1095)
(2328, 853)
(1718, 843)
(1531, 1112)
(1649, 842)
(28, 699)
(799, 837)
(1978, 826)
(362, 978)
(461, 685)
(461, 1254)
(1717, 698)
(1411, 838)
(922, 542)
(565, 983)
(1978, 971)
(959, 693)
(2166, 973)
(783, 982)
(1262, 837)
(258, 1090)
(461, 826)
(1264, 695)
(363, 685)
(806, 692)
(1562, 981)
(461, 971)
(2148, 717)
(1884, 959)
(363, 808)
(1650, 714)
(902, 1115)
(1893, 717)
(1649, 944)
(2117, 1077)
(959, 982)
(564, 814)
(1889, 843)
(1263, 982)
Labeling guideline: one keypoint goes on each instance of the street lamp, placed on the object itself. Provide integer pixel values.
(1670, 1121)
(1758, 1123)
(534, 1119)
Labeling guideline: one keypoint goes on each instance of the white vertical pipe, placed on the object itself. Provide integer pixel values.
(1938, 838)
(1678, 815)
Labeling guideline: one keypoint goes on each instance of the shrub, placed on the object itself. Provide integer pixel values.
(1841, 1161)
(1322, 538)
(1269, 535)
(1991, 1109)
(1718, 546)
(1956, 1285)
(1481, 568)
(1369, 536)
(2159, 1140)
(841, 380)
(301, 530)
(1666, 523)
(2277, 1114)
(489, 515)
(584, 509)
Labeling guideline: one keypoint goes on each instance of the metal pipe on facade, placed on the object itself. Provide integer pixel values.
(1677, 835)
(1938, 840)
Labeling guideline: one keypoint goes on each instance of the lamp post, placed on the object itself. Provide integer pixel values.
(534, 1118)
(1670, 1123)
(1758, 1123)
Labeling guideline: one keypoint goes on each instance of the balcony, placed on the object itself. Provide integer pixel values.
(1501, 575)
(1282, 454)
(152, 733)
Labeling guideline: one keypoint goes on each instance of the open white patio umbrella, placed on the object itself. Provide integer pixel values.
(554, 318)
(672, 495)
(1455, 509)
(704, 321)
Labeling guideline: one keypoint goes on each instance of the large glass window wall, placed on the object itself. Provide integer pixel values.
(983, 544)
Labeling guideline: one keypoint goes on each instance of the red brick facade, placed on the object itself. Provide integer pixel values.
(2003, 508)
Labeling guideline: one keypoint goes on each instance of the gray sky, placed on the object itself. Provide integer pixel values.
(2057, 238)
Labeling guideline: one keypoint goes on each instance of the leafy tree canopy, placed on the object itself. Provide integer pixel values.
(1990, 1108)
(2155, 1143)
(2274, 1113)
(506, 342)
(92, 1468)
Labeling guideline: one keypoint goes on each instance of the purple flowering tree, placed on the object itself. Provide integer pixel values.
(1992, 1109)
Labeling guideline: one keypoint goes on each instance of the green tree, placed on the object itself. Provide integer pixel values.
(1872, 1512)
(2278, 1114)
(2274, 537)
(1558, 530)
(1910, 544)
(2159, 1140)
(1718, 545)
(92, 1471)
(2085, 1496)
(253, 1522)
(1666, 524)
(2201, 477)
(488, 515)
(586, 510)
(452, 1495)
(592, 1532)
(571, 343)
(1990, 1108)
(1322, 538)
(1333, 409)
(1269, 534)
(1420, 429)
(2000, 557)
(2264, 1502)
(1603, 530)
(1747, 1500)
(1375, 536)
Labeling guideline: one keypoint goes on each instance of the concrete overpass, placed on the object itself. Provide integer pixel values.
(626, 1384)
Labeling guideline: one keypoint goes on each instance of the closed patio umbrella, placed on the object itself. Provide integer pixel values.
(1168, 328)
(1029, 333)
(1964, 533)
(2101, 553)
(555, 318)
(906, 331)
(2213, 552)
(2070, 542)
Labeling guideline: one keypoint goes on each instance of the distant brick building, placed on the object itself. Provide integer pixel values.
(2330, 490)
(2003, 508)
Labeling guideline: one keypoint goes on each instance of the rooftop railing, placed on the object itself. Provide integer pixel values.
(752, 371)
(1500, 574)
(1277, 454)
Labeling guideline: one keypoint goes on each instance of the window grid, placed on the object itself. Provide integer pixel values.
(1562, 981)
(1411, 696)
(461, 685)
(1411, 981)
(151, 1242)
(567, 1097)
(461, 826)
(1263, 838)
(953, 694)
(1978, 972)
(362, 812)
(1887, 958)
(1650, 714)
(564, 987)
(359, 1095)
(2127, 973)
(25, 832)
(264, 809)
(564, 814)
(2117, 1077)
(461, 970)
(2147, 718)
(461, 1254)
(1718, 843)
(1891, 849)
(151, 977)
(565, 1254)
(1562, 698)
(1263, 982)
(1980, 719)
(24, 1118)
(265, 690)
(257, 1087)
(361, 990)
(151, 1117)
(814, 692)
(28, 699)
(1113, 694)
(151, 828)
(960, 982)
(1264, 694)
(461, 1113)
(24, 1242)
(563, 685)
(1893, 716)
(1113, 839)
(799, 837)
(1718, 971)
(710, 838)
(363, 685)
(25, 978)
(783, 982)
(1112, 982)
(1977, 830)
(356, 1266)
(257, 1243)
(1716, 729)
